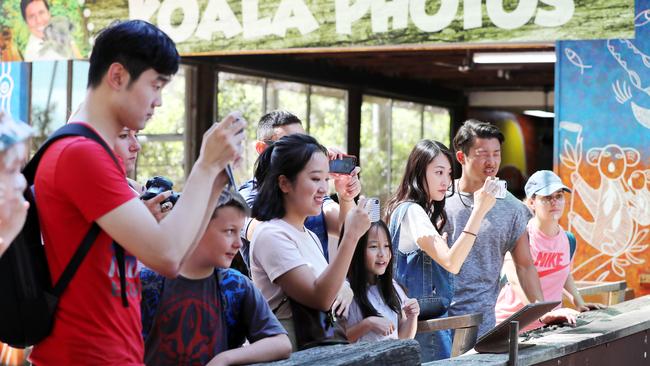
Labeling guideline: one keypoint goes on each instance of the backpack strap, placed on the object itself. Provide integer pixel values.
(75, 262)
(121, 268)
(69, 130)
(572, 244)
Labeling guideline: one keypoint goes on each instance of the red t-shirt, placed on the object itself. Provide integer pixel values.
(76, 183)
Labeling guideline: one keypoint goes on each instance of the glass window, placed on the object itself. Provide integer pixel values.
(79, 83)
(49, 96)
(437, 124)
(406, 132)
(287, 96)
(328, 117)
(322, 110)
(375, 146)
(389, 128)
(245, 94)
(389, 131)
(163, 139)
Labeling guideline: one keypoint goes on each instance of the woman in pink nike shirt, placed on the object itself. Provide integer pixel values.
(549, 247)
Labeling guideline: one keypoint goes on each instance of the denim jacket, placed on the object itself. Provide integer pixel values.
(423, 277)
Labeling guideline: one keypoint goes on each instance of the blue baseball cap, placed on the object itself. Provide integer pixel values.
(544, 183)
(12, 132)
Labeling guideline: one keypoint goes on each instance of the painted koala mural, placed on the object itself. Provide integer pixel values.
(615, 196)
(612, 229)
(639, 183)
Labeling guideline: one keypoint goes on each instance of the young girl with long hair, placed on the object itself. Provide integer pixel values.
(380, 309)
(287, 260)
(424, 261)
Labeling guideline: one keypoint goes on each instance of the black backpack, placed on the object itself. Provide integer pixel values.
(28, 300)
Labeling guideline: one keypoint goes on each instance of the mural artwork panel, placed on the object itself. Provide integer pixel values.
(602, 150)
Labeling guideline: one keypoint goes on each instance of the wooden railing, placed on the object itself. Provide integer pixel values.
(617, 335)
(465, 326)
(615, 290)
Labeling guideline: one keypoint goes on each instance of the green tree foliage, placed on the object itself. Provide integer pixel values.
(162, 158)
(48, 99)
(406, 132)
(327, 120)
(437, 124)
(375, 163)
(389, 129)
(163, 141)
(245, 95)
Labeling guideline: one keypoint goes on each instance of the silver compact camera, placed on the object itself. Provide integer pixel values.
(502, 186)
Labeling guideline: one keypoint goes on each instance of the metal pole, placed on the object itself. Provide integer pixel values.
(514, 343)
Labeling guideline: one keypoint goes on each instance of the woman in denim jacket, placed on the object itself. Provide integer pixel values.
(424, 261)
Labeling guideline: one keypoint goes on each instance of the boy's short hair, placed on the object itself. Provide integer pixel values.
(231, 198)
(272, 120)
(135, 44)
(24, 3)
(472, 129)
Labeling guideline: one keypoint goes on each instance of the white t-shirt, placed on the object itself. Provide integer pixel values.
(355, 315)
(278, 247)
(415, 225)
(33, 51)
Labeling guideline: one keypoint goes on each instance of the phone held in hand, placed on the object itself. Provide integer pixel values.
(345, 165)
(373, 208)
(232, 184)
(503, 189)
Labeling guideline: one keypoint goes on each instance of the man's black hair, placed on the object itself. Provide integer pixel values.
(472, 129)
(24, 3)
(135, 44)
(272, 120)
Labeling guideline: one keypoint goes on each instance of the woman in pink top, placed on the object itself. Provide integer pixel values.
(549, 247)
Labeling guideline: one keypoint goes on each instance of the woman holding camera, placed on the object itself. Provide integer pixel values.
(287, 261)
(424, 261)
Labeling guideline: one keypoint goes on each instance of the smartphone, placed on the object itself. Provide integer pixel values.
(503, 189)
(237, 120)
(345, 165)
(372, 206)
(231, 177)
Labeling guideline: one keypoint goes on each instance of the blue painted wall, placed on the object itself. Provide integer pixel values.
(14, 89)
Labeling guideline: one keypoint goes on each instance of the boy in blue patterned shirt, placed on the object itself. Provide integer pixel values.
(204, 315)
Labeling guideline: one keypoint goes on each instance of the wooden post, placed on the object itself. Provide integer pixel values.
(206, 104)
(354, 122)
(69, 86)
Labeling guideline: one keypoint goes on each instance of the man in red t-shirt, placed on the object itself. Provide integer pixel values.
(77, 183)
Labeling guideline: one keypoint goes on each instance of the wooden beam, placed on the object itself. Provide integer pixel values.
(355, 98)
(206, 103)
(323, 73)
